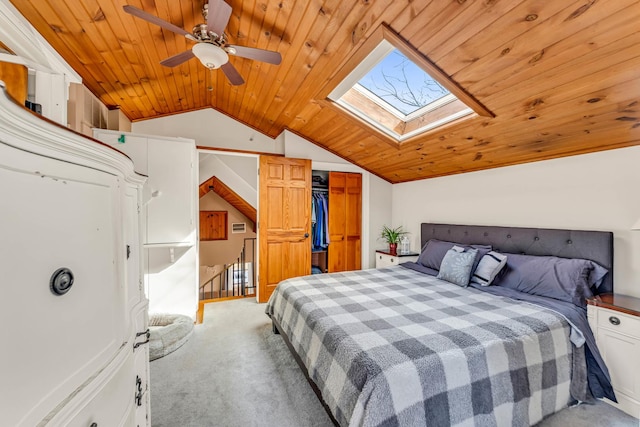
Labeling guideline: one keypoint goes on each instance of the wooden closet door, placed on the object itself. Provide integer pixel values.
(337, 221)
(353, 221)
(345, 221)
(284, 221)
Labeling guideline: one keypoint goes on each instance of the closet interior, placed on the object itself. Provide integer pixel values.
(336, 221)
(319, 221)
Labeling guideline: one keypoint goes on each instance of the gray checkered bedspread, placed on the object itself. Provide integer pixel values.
(393, 347)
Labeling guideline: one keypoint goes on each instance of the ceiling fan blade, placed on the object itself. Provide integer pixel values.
(178, 59)
(258, 54)
(232, 74)
(138, 13)
(218, 16)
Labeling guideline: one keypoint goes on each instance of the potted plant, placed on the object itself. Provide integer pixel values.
(392, 236)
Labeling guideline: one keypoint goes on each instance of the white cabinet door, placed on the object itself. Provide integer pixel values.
(112, 405)
(170, 210)
(132, 243)
(618, 339)
(141, 366)
(55, 215)
(621, 354)
(135, 147)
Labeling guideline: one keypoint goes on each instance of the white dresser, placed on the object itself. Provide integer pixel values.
(73, 310)
(615, 321)
(385, 259)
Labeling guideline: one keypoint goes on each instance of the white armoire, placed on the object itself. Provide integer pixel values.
(73, 309)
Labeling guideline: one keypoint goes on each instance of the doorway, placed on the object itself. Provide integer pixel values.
(228, 205)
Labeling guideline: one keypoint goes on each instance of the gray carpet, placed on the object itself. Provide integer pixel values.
(234, 372)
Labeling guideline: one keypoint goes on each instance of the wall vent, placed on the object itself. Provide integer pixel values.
(238, 227)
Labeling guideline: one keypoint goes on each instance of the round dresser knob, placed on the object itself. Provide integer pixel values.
(61, 281)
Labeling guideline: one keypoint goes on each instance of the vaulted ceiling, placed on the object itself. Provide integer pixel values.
(561, 77)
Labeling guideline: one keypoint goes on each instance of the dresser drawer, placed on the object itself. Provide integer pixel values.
(384, 259)
(619, 322)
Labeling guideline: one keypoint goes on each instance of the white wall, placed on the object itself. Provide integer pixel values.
(238, 172)
(245, 166)
(597, 191)
(380, 197)
(213, 129)
(217, 252)
(210, 128)
(297, 147)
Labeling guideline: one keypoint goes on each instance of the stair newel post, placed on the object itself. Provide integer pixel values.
(233, 278)
(243, 270)
(223, 280)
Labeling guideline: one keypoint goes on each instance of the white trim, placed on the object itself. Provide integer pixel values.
(467, 111)
(15, 59)
(399, 114)
(20, 127)
(20, 36)
(377, 54)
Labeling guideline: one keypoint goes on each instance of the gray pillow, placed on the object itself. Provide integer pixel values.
(597, 275)
(434, 250)
(490, 265)
(565, 279)
(457, 264)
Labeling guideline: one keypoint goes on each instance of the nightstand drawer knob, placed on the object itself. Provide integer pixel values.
(614, 320)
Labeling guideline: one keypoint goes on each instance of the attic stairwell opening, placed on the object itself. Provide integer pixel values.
(228, 195)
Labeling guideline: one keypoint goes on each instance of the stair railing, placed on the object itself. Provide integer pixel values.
(236, 279)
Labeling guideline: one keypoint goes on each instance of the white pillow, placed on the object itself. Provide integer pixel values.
(488, 268)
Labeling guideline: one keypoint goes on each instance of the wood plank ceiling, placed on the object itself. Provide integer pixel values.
(561, 77)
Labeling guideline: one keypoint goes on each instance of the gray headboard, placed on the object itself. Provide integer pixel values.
(593, 245)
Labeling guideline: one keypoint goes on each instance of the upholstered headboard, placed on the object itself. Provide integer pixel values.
(593, 245)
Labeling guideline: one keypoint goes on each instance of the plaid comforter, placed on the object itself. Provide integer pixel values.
(396, 347)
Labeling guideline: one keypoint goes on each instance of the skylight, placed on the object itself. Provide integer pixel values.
(391, 91)
(400, 85)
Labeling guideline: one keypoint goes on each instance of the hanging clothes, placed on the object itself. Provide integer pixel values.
(319, 221)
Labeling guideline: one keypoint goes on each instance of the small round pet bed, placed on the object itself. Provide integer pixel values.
(167, 333)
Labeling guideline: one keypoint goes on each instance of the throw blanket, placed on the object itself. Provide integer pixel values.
(396, 347)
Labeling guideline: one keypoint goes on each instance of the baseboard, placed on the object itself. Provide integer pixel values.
(626, 404)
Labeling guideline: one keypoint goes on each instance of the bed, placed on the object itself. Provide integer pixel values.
(398, 346)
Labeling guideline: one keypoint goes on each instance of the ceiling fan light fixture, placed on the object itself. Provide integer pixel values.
(210, 55)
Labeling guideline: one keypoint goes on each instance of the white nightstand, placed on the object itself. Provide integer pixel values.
(385, 259)
(615, 321)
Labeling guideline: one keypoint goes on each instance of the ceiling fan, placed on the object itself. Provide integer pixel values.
(211, 46)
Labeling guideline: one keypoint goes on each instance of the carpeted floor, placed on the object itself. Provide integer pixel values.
(234, 372)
